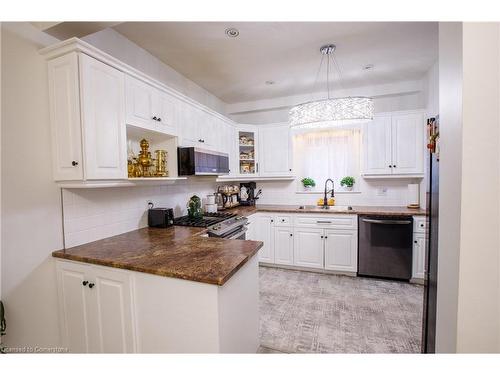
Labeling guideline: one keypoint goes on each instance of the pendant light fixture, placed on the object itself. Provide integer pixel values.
(331, 112)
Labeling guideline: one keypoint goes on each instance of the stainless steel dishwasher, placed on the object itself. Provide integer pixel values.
(385, 246)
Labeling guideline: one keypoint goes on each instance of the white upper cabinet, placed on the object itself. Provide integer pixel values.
(103, 108)
(407, 144)
(64, 96)
(393, 145)
(377, 146)
(148, 107)
(275, 150)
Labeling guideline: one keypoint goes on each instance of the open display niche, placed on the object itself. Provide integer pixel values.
(157, 141)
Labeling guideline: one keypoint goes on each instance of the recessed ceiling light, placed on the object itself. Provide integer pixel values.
(232, 32)
(270, 82)
(368, 67)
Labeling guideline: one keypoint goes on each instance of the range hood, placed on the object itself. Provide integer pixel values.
(193, 161)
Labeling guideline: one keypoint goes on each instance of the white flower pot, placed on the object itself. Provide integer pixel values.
(308, 188)
(348, 188)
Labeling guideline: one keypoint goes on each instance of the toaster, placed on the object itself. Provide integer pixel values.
(160, 217)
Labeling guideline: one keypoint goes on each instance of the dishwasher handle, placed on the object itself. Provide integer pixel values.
(387, 222)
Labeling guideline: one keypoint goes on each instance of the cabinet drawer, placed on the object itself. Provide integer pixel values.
(283, 221)
(419, 224)
(327, 221)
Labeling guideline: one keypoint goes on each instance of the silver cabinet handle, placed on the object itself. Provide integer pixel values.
(387, 222)
(323, 222)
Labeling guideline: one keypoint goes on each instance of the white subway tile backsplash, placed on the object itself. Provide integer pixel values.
(93, 214)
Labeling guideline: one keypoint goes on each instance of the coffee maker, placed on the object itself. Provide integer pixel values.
(247, 196)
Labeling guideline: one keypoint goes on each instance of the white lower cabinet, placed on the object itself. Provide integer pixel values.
(418, 268)
(262, 230)
(341, 250)
(96, 308)
(329, 242)
(283, 245)
(308, 247)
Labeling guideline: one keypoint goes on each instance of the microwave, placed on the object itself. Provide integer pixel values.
(193, 161)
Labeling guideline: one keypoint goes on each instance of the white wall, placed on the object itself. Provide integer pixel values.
(31, 215)
(450, 176)
(389, 103)
(112, 42)
(478, 318)
(468, 308)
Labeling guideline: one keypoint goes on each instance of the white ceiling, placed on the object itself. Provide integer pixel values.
(235, 69)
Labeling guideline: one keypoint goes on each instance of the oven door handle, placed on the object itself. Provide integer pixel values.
(387, 222)
(242, 231)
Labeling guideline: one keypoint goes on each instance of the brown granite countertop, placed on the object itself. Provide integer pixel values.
(356, 210)
(179, 252)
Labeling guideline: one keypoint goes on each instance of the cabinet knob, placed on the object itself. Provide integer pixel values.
(84, 283)
(390, 166)
(394, 166)
(322, 236)
(91, 285)
(290, 169)
(154, 118)
(291, 234)
(74, 163)
(159, 119)
(415, 241)
(326, 237)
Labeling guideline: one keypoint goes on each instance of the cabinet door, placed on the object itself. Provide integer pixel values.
(65, 124)
(283, 245)
(377, 146)
(74, 306)
(408, 144)
(341, 250)
(308, 247)
(112, 311)
(274, 150)
(103, 108)
(247, 151)
(139, 103)
(165, 113)
(263, 231)
(418, 267)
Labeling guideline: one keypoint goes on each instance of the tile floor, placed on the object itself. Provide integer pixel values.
(306, 312)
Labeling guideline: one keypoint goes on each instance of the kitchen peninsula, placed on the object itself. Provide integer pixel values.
(160, 290)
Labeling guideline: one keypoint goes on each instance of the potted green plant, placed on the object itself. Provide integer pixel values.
(348, 183)
(308, 183)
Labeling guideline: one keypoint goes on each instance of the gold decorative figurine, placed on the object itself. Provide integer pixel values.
(144, 159)
(161, 163)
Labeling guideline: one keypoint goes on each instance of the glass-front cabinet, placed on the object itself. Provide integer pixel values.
(247, 150)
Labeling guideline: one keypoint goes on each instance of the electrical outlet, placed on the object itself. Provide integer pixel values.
(382, 191)
(149, 203)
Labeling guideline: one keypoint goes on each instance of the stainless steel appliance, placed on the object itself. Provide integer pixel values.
(232, 229)
(160, 217)
(204, 221)
(221, 225)
(195, 161)
(385, 246)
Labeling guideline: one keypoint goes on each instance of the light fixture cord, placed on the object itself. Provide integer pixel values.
(317, 76)
(328, 75)
(339, 72)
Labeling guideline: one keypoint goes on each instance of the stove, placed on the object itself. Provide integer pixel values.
(233, 228)
(219, 224)
(207, 220)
